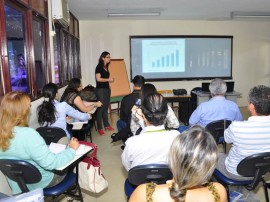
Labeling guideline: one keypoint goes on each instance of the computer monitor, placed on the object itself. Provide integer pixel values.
(230, 86)
(205, 87)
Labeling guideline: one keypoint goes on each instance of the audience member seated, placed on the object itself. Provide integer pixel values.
(53, 113)
(248, 137)
(123, 124)
(153, 143)
(192, 160)
(71, 96)
(217, 108)
(128, 102)
(137, 121)
(17, 141)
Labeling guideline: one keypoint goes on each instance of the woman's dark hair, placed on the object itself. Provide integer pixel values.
(155, 108)
(103, 55)
(46, 111)
(74, 84)
(147, 89)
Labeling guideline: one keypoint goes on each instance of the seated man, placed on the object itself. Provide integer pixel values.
(217, 108)
(153, 143)
(248, 137)
(123, 124)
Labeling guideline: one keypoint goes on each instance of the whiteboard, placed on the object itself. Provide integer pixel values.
(120, 86)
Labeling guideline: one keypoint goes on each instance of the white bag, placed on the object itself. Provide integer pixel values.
(90, 175)
(241, 194)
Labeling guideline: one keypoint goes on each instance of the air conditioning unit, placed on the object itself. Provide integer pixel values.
(60, 12)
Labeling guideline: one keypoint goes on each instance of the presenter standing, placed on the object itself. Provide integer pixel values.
(103, 91)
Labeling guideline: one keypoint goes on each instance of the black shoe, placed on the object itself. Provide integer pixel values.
(123, 147)
(113, 137)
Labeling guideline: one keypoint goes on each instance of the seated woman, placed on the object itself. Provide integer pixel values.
(192, 160)
(137, 121)
(71, 96)
(53, 113)
(17, 141)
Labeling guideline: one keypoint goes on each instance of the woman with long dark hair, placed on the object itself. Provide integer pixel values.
(71, 96)
(53, 113)
(171, 120)
(103, 91)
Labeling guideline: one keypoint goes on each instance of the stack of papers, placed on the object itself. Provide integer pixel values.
(56, 148)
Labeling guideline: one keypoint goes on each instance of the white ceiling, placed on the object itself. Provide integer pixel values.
(170, 9)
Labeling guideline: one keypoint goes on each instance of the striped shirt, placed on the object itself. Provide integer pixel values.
(247, 138)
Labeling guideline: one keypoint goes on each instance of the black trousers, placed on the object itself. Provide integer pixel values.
(103, 95)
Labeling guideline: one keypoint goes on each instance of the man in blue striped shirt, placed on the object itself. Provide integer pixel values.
(248, 137)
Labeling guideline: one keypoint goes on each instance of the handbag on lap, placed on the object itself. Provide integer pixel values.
(90, 175)
(88, 93)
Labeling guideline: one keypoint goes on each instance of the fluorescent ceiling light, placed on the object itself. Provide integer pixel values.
(145, 12)
(244, 14)
(133, 14)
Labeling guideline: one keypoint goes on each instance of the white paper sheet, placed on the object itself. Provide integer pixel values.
(56, 148)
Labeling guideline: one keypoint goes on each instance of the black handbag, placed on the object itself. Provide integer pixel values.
(88, 93)
(180, 91)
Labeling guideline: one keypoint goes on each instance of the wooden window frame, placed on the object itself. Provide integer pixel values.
(29, 46)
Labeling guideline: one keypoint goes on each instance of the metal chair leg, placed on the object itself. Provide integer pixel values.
(228, 192)
(265, 186)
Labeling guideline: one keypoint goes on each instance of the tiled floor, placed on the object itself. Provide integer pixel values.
(111, 166)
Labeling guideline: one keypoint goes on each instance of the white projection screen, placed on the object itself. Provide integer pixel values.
(172, 58)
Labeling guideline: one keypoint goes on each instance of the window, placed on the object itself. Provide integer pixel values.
(24, 48)
(15, 31)
(56, 50)
(77, 64)
(24, 45)
(39, 53)
(67, 52)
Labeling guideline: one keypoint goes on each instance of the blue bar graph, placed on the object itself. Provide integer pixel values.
(167, 61)
(177, 58)
(172, 59)
(158, 63)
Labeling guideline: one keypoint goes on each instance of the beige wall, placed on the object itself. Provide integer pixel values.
(251, 47)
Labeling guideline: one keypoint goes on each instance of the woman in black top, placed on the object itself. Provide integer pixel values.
(103, 91)
(71, 96)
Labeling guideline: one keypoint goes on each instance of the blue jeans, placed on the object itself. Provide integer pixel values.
(121, 125)
(182, 128)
